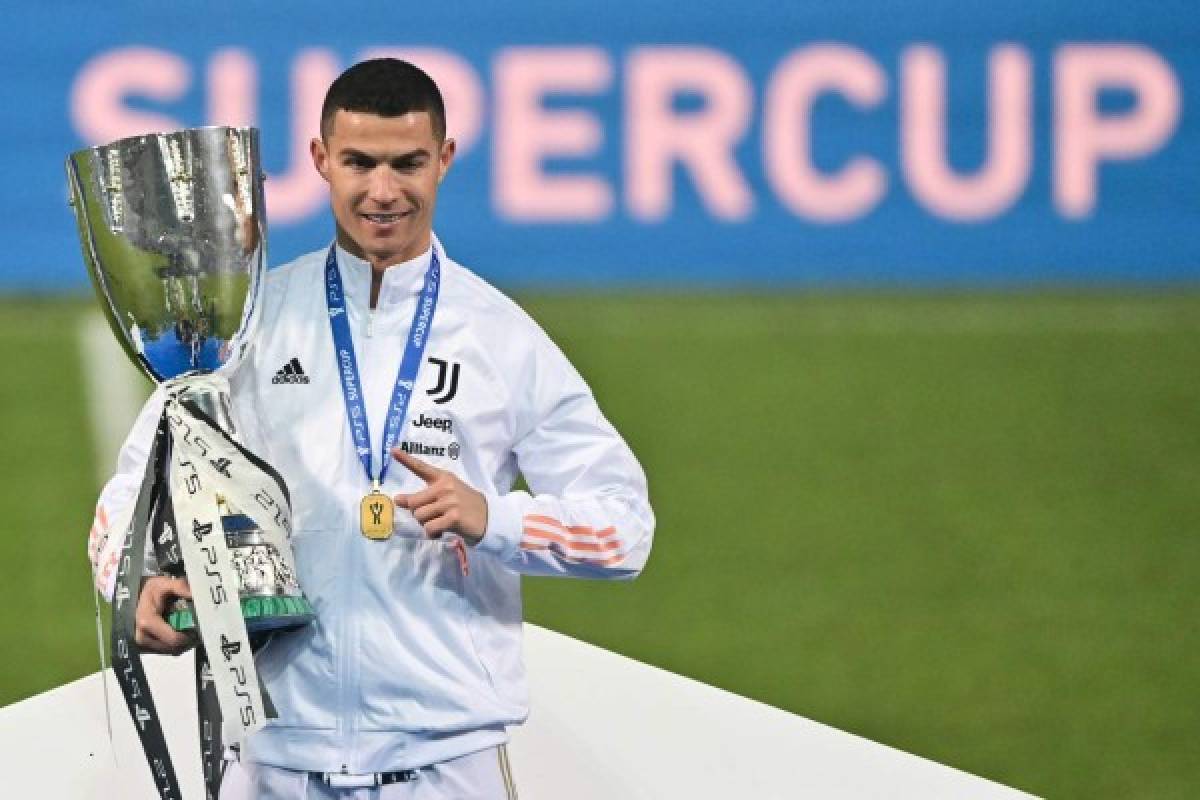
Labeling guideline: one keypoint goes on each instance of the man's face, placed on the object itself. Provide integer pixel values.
(383, 175)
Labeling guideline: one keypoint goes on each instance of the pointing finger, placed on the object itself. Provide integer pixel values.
(424, 471)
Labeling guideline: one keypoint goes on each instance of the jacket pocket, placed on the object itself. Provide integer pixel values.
(421, 671)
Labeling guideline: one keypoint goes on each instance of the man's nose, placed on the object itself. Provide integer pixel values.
(383, 187)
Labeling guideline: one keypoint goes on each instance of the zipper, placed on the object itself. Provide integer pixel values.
(350, 707)
(350, 642)
(344, 719)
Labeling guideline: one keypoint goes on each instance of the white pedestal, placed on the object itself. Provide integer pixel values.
(602, 727)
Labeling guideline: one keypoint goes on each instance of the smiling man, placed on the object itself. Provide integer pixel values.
(383, 170)
(415, 396)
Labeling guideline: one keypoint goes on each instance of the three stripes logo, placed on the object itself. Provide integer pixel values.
(291, 372)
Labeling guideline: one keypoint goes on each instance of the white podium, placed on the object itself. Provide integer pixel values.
(602, 727)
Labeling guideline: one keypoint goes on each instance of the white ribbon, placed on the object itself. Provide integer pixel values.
(205, 467)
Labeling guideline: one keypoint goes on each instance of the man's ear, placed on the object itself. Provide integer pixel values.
(446, 158)
(320, 157)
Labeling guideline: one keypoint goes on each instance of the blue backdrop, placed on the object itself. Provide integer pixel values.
(669, 144)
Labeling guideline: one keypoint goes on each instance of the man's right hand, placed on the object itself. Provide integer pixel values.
(152, 632)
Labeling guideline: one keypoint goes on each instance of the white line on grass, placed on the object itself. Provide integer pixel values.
(114, 388)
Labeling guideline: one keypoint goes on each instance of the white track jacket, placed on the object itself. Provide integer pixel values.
(415, 655)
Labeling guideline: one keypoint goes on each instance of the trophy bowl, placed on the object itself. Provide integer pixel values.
(173, 234)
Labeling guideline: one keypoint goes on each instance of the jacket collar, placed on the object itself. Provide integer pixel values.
(400, 281)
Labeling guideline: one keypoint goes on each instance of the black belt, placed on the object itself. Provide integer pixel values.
(342, 780)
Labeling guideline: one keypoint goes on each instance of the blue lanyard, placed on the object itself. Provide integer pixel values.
(414, 349)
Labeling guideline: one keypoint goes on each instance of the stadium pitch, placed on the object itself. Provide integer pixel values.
(962, 525)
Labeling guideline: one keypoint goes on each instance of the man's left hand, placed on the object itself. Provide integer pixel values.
(446, 504)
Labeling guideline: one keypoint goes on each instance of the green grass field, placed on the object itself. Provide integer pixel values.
(963, 525)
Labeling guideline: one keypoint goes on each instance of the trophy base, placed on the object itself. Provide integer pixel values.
(262, 614)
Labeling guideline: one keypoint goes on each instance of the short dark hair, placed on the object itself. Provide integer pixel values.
(388, 87)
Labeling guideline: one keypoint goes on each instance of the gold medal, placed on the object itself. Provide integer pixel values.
(376, 513)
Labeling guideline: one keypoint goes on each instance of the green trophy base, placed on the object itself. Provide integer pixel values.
(261, 614)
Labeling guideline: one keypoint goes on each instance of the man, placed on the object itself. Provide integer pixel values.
(412, 670)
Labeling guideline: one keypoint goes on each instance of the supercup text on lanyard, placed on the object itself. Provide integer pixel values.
(376, 510)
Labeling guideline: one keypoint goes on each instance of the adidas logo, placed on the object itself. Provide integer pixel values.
(290, 372)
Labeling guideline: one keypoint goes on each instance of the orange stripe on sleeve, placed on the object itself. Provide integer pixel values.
(575, 530)
(107, 571)
(592, 547)
(600, 562)
(578, 543)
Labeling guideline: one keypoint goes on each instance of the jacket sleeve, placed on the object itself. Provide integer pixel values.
(117, 499)
(588, 514)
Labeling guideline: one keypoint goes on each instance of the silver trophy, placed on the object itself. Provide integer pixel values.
(173, 234)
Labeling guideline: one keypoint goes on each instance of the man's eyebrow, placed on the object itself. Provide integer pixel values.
(411, 155)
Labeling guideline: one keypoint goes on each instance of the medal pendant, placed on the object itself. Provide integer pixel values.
(376, 512)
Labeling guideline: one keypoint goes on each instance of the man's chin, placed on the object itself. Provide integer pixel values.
(391, 252)
(390, 244)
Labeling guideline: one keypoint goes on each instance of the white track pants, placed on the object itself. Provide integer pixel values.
(476, 776)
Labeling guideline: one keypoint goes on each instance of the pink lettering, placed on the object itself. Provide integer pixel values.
(1000, 181)
(657, 136)
(300, 191)
(787, 133)
(232, 79)
(526, 133)
(98, 93)
(1083, 137)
